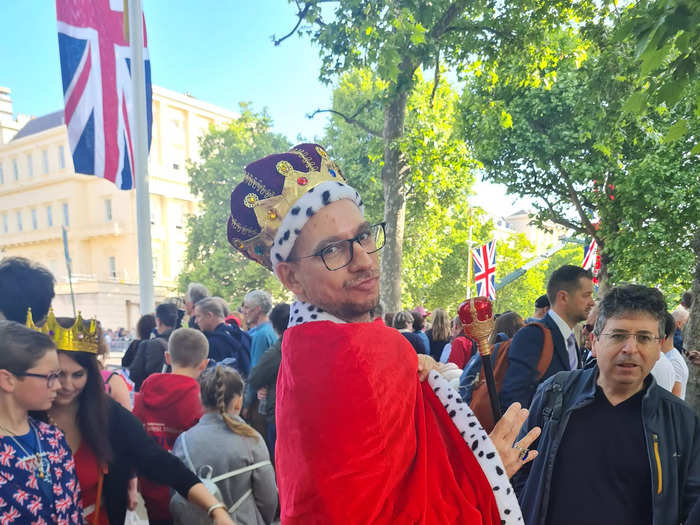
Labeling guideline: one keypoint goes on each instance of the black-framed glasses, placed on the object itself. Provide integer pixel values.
(642, 339)
(339, 254)
(50, 378)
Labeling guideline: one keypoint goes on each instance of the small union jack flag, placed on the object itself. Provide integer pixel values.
(484, 258)
(99, 103)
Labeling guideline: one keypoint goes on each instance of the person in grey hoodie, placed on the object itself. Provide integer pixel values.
(223, 445)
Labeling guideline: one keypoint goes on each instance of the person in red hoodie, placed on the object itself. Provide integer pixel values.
(169, 404)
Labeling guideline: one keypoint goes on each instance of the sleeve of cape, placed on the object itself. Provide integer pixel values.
(361, 440)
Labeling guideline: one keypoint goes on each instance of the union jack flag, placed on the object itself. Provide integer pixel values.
(99, 103)
(485, 270)
(591, 259)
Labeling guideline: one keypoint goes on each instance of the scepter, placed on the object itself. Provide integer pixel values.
(476, 315)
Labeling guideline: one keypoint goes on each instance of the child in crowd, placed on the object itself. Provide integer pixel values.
(38, 482)
(223, 446)
(168, 404)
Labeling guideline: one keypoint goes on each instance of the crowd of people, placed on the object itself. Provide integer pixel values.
(329, 410)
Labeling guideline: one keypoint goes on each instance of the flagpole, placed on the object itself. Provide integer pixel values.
(140, 145)
(469, 265)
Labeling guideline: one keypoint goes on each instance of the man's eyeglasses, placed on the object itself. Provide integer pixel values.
(618, 338)
(339, 254)
(50, 378)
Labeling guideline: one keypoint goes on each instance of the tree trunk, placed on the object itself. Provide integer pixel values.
(692, 333)
(394, 202)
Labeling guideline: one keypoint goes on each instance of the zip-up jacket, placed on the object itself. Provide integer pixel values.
(671, 431)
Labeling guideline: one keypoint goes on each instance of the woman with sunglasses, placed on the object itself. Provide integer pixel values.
(109, 444)
(37, 476)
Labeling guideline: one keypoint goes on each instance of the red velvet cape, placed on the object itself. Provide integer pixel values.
(360, 440)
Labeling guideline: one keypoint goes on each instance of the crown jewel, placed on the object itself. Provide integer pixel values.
(77, 338)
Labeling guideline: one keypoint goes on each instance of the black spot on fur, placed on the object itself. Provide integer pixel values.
(453, 413)
(312, 308)
(326, 196)
(278, 257)
(309, 211)
(475, 444)
(286, 235)
(507, 511)
(312, 189)
(296, 210)
(490, 455)
(314, 316)
(499, 470)
(472, 424)
(300, 319)
(297, 231)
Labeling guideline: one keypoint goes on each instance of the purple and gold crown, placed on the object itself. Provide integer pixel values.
(77, 338)
(270, 188)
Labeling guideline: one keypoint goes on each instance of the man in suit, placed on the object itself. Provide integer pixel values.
(570, 292)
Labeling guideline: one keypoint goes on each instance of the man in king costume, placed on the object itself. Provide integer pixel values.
(362, 436)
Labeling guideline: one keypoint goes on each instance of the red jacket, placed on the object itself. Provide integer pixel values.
(167, 405)
(461, 351)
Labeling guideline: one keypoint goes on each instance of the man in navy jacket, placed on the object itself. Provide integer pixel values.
(570, 292)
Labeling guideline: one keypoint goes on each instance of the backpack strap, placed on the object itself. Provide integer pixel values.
(554, 397)
(242, 470)
(233, 508)
(547, 350)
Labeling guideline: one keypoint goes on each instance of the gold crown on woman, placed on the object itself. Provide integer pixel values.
(77, 338)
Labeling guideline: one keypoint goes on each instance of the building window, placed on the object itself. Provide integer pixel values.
(108, 210)
(30, 166)
(5, 225)
(15, 169)
(2, 175)
(45, 161)
(113, 267)
(35, 220)
(19, 221)
(66, 215)
(49, 216)
(61, 157)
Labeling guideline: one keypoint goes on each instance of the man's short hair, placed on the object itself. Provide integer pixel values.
(669, 325)
(279, 317)
(25, 284)
(403, 320)
(211, 305)
(418, 321)
(631, 298)
(187, 347)
(196, 292)
(680, 315)
(687, 300)
(542, 301)
(259, 298)
(167, 313)
(565, 278)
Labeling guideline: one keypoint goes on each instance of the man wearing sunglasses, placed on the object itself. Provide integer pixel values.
(361, 438)
(615, 447)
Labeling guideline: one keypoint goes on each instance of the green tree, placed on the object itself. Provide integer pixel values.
(396, 40)
(438, 183)
(224, 152)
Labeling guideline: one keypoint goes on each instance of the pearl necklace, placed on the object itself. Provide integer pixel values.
(37, 455)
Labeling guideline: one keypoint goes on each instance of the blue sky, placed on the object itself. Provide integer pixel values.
(219, 51)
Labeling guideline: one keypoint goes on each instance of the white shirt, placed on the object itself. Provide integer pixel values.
(566, 331)
(664, 373)
(680, 367)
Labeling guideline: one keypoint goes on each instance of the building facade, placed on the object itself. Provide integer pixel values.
(40, 194)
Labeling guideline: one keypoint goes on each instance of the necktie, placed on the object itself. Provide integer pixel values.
(571, 347)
